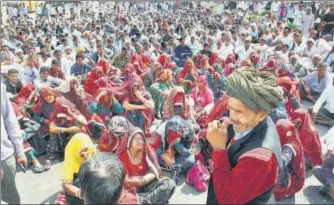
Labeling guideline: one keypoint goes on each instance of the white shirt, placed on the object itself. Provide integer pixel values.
(243, 53)
(326, 97)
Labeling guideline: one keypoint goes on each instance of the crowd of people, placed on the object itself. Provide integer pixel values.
(132, 95)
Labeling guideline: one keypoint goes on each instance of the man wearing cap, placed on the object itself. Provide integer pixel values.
(255, 145)
(310, 49)
(19, 57)
(315, 83)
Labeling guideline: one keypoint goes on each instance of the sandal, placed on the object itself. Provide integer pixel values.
(38, 169)
(47, 165)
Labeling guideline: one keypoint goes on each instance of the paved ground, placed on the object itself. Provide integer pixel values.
(43, 188)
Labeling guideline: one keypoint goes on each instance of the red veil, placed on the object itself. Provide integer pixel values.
(289, 87)
(165, 62)
(90, 86)
(309, 135)
(289, 136)
(129, 194)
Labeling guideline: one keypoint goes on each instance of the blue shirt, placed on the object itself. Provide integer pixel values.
(314, 84)
(77, 69)
(11, 139)
(179, 50)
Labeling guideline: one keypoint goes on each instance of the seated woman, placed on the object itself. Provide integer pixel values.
(214, 78)
(139, 105)
(104, 105)
(111, 137)
(78, 149)
(65, 121)
(291, 95)
(90, 84)
(203, 98)
(309, 137)
(151, 76)
(187, 76)
(43, 109)
(72, 91)
(140, 59)
(144, 183)
(160, 91)
(173, 142)
(292, 175)
(29, 131)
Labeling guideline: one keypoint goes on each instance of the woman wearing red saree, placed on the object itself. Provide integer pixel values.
(187, 76)
(144, 183)
(140, 59)
(292, 98)
(203, 97)
(72, 92)
(292, 175)
(117, 127)
(309, 137)
(139, 105)
(104, 105)
(33, 144)
(91, 85)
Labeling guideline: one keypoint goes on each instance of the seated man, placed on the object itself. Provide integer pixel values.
(314, 83)
(44, 79)
(101, 179)
(323, 110)
(13, 83)
(324, 173)
(80, 68)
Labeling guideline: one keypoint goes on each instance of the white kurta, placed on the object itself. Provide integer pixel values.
(307, 24)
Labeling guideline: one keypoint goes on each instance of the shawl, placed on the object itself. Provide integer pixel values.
(24, 94)
(73, 160)
(165, 62)
(289, 136)
(44, 92)
(230, 59)
(90, 86)
(151, 157)
(309, 135)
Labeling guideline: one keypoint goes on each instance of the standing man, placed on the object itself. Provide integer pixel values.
(11, 150)
(255, 146)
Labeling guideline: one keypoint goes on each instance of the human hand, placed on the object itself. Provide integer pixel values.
(167, 161)
(210, 165)
(217, 134)
(22, 160)
(74, 129)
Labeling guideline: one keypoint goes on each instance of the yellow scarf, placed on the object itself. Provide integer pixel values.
(73, 160)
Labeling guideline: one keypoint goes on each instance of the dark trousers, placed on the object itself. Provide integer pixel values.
(9, 193)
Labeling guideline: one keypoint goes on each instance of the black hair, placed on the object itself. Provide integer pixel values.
(12, 71)
(101, 179)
